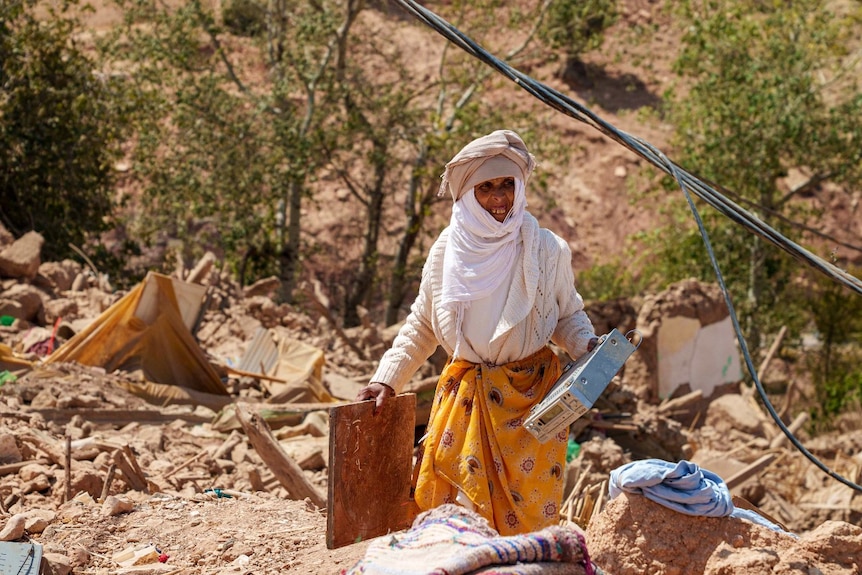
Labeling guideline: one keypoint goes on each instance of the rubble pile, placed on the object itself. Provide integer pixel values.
(116, 468)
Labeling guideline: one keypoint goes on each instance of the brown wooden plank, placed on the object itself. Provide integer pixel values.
(279, 462)
(743, 475)
(370, 470)
(117, 416)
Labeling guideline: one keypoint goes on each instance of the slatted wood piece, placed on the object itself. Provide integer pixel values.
(370, 469)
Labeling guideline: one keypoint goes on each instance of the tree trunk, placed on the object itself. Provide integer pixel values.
(415, 208)
(288, 260)
(360, 290)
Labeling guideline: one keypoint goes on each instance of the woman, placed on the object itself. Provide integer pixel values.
(495, 289)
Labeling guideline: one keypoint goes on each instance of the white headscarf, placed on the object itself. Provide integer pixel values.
(480, 252)
(500, 153)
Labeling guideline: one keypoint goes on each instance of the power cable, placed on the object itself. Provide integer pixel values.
(569, 107)
(687, 182)
(775, 214)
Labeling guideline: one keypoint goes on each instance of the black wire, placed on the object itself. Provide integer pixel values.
(773, 213)
(569, 107)
(31, 557)
(687, 183)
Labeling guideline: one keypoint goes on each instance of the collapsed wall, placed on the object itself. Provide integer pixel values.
(181, 450)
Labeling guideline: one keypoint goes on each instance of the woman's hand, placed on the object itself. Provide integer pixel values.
(376, 391)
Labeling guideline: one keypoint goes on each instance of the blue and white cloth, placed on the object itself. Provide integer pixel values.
(683, 487)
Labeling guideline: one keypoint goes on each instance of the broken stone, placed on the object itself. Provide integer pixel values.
(9, 452)
(60, 275)
(36, 485)
(37, 520)
(733, 411)
(86, 480)
(22, 258)
(114, 506)
(136, 556)
(266, 287)
(60, 308)
(14, 528)
(6, 238)
(58, 564)
(30, 302)
(80, 282)
(32, 471)
(79, 557)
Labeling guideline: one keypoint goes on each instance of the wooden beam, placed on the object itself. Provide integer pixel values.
(769, 354)
(682, 402)
(130, 470)
(779, 439)
(118, 416)
(15, 467)
(742, 475)
(45, 443)
(68, 474)
(289, 474)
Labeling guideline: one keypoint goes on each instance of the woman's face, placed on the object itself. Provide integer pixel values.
(497, 196)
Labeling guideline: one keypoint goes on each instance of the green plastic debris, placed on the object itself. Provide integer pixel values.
(6, 320)
(6, 376)
(572, 450)
(218, 492)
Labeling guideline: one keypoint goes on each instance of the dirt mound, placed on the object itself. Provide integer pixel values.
(635, 535)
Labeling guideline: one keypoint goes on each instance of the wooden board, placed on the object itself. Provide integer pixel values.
(370, 470)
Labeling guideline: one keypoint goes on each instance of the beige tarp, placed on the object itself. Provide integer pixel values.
(300, 367)
(148, 329)
(9, 362)
(290, 371)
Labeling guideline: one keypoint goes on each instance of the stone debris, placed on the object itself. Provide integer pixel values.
(108, 482)
(22, 257)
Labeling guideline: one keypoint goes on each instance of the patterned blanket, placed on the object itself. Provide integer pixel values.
(452, 540)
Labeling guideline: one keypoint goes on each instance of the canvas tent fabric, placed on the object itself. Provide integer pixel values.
(298, 373)
(703, 356)
(291, 371)
(148, 330)
(9, 362)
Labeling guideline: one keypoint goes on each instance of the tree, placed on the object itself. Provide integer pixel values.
(376, 117)
(385, 118)
(231, 160)
(389, 118)
(61, 126)
(575, 28)
(308, 60)
(837, 315)
(757, 107)
(220, 151)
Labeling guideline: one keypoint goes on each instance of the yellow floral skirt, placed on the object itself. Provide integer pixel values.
(476, 444)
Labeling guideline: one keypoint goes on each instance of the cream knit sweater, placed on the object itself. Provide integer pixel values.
(545, 280)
